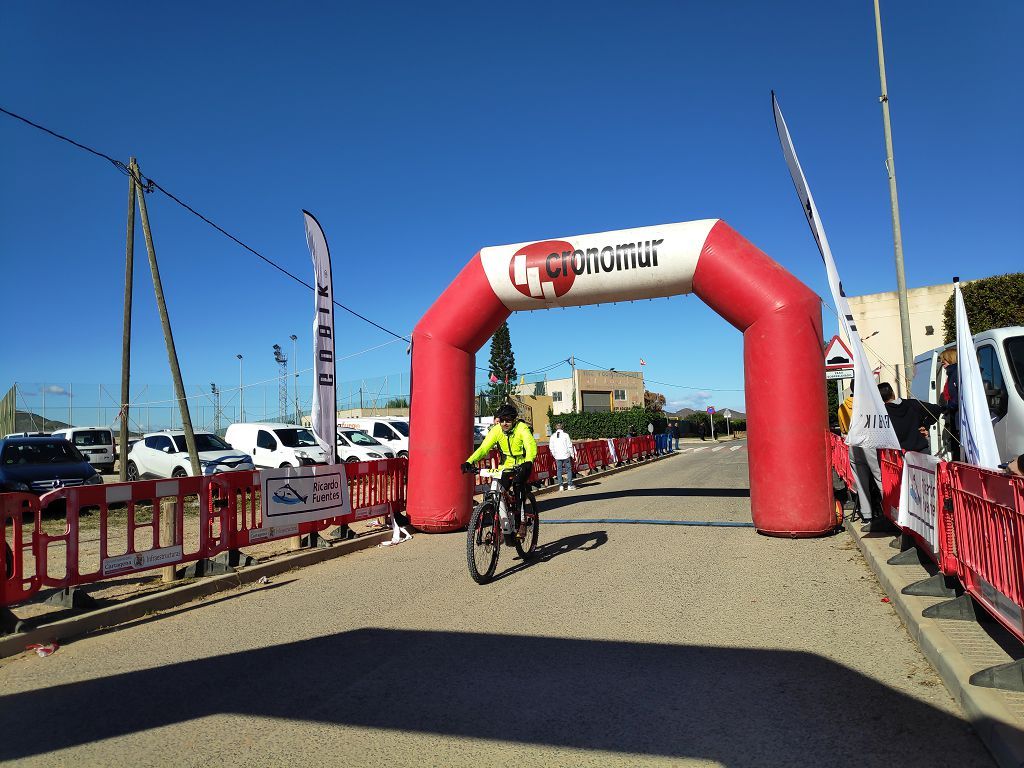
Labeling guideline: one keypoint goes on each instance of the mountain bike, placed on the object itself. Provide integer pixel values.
(496, 520)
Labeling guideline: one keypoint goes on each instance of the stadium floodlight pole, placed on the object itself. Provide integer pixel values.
(890, 166)
(126, 334)
(295, 368)
(241, 391)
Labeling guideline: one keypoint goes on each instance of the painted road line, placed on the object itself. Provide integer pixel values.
(736, 448)
(716, 450)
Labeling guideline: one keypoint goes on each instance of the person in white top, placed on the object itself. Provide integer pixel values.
(563, 452)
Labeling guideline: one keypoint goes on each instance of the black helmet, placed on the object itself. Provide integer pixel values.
(507, 413)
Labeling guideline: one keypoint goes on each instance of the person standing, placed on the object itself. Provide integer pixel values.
(910, 419)
(563, 452)
(950, 402)
(702, 431)
(845, 411)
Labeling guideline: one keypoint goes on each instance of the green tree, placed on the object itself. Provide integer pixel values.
(397, 402)
(992, 302)
(654, 401)
(502, 365)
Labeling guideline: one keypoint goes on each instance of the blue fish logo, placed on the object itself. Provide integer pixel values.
(915, 495)
(288, 495)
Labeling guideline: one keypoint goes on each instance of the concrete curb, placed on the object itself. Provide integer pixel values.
(129, 610)
(997, 726)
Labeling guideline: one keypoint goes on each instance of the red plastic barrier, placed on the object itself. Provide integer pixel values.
(839, 454)
(949, 564)
(988, 518)
(140, 544)
(622, 450)
(543, 466)
(890, 460)
(17, 581)
(228, 516)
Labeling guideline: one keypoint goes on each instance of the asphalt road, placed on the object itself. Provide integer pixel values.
(621, 645)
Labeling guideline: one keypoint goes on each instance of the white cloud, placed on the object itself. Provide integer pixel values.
(697, 400)
(54, 389)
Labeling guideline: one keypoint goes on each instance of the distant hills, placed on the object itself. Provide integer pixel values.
(682, 413)
(25, 421)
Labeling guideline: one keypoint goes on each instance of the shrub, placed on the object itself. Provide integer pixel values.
(592, 426)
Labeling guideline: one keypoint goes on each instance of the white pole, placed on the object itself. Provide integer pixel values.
(711, 418)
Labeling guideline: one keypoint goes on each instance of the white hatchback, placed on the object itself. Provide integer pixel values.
(164, 454)
(354, 445)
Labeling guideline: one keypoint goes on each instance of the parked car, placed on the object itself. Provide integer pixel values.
(479, 433)
(165, 454)
(354, 445)
(276, 445)
(392, 432)
(95, 443)
(41, 464)
(27, 434)
(1001, 359)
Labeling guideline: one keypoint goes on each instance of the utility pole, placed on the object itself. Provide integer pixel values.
(126, 332)
(216, 407)
(572, 364)
(295, 369)
(890, 165)
(282, 384)
(167, 521)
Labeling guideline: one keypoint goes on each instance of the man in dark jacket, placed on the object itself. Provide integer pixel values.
(910, 419)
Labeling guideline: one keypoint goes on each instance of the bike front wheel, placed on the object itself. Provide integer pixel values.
(526, 546)
(483, 541)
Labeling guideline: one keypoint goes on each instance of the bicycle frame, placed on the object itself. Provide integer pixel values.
(503, 499)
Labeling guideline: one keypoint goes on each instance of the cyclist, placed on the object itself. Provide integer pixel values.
(514, 439)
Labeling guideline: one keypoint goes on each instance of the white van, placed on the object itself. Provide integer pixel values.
(95, 443)
(1001, 359)
(354, 445)
(276, 445)
(392, 432)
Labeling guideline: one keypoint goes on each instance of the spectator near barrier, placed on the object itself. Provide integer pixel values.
(910, 419)
(563, 452)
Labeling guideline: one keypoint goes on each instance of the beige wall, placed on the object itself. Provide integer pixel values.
(561, 390)
(878, 323)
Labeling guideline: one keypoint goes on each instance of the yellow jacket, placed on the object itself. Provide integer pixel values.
(845, 413)
(518, 447)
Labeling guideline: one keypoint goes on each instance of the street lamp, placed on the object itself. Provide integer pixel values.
(241, 392)
(295, 368)
(216, 407)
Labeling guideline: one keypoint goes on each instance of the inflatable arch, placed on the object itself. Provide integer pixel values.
(790, 489)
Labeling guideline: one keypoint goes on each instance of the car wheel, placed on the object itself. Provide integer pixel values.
(179, 472)
(351, 460)
(403, 454)
(132, 472)
(284, 466)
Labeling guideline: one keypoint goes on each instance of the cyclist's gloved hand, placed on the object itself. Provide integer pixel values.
(467, 468)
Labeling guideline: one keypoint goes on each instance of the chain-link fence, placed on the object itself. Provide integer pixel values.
(47, 406)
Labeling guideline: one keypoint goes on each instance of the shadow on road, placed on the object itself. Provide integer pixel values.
(566, 500)
(730, 705)
(551, 550)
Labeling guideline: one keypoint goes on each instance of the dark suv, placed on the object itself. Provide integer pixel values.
(41, 464)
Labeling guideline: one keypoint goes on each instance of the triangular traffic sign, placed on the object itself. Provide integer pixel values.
(837, 355)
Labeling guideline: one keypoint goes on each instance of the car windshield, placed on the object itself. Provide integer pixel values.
(1015, 353)
(91, 437)
(49, 452)
(296, 438)
(204, 442)
(401, 426)
(356, 437)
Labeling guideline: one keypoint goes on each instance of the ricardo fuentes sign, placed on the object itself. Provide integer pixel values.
(305, 494)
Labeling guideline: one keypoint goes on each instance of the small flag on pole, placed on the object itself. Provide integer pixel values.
(642, 361)
(494, 379)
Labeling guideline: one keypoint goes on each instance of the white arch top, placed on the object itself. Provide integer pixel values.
(622, 265)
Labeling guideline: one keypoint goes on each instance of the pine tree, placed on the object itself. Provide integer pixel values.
(502, 365)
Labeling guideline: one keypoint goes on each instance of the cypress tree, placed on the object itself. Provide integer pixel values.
(502, 365)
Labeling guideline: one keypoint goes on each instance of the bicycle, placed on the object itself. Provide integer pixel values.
(497, 519)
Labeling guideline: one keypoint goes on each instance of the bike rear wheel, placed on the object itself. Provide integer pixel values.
(526, 547)
(483, 541)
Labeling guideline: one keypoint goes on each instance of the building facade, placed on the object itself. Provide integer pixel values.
(878, 323)
(595, 391)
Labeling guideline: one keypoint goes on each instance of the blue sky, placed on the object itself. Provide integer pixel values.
(420, 133)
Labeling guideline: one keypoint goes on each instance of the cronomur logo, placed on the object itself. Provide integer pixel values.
(547, 270)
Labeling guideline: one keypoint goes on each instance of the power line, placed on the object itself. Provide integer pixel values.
(149, 182)
(655, 381)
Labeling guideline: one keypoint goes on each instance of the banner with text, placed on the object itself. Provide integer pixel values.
(324, 417)
(919, 497)
(869, 425)
(293, 495)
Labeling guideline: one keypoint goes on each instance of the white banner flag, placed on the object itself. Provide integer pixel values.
(919, 497)
(324, 418)
(869, 424)
(977, 437)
